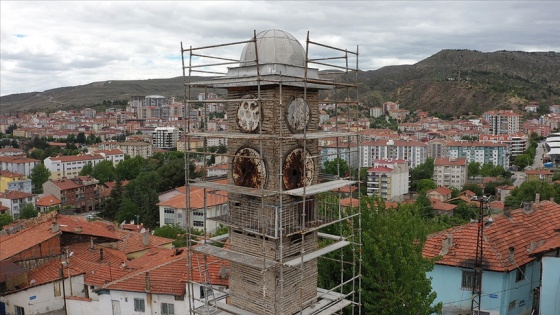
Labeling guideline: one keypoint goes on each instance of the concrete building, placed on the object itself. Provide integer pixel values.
(165, 138)
(517, 142)
(480, 152)
(18, 164)
(503, 121)
(388, 179)
(14, 181)
(450, 172)
(70, 166)
(15, 200)
(414, 152)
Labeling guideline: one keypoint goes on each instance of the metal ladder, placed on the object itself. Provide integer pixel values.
(210, 306)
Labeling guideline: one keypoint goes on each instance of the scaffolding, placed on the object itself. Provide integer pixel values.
(284, 217)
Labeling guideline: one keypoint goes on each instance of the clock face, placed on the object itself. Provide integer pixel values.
(298, 169)
(249, 114)
(248, 168)
(297, 115)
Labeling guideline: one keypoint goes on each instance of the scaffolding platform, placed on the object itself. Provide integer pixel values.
(319, 188)
(315, 254)
(255, 192)
(244, 259)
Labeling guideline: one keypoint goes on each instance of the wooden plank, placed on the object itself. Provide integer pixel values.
(248, 260)
(312, 255)
(334, 308)
(235, 189)
(319, 188)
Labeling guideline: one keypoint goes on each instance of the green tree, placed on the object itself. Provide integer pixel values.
(528, 190)
(424, 185)
(5, 219)
(28, 211)
(87, 170)
(337, 166)
(39, 175)
(81, 138)
(473, 169)
(130, 168)
(394, 272)
(173, 232)
(422, 171)
(11, 128)
(172, 174)
(104, 171)
(475, 188)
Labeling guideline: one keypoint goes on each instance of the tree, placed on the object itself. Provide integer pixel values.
(87, 170)
(81, 138)
(11, 129)
(130, 168)
(473, 169)
(474, 188)
(39, 175)
(394, 272)
(5, 219)
(28, 211)
(424, 185)
(104, 171)
(422, 171)
(174, 232)
(528, 190)
(337, 166)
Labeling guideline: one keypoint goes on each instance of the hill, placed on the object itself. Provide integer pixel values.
(451, 81)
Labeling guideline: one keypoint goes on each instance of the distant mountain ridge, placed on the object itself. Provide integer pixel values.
(451, 81)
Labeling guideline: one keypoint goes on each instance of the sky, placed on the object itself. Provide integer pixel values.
(51, 44)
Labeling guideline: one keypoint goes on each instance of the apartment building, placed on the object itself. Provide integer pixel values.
(80, 193)
(450, 172)
(14, 181)
(480, 152)
(70, 166)
(165, 138)
(15, 200)
(414, 152)
(503, 121)
(18, 164)
(517, 142)
(388, 179)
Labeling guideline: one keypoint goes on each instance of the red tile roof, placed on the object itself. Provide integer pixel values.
(131, 241)
(75, 158)
(80, 225)
(168, 273)
(450, 162)
(216, 197)
(12, 244)
(17, 159)
(47, 201)
(444, 191)
(15, 194)
(381, 169)
(521, 231)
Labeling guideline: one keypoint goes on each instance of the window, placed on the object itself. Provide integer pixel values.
(468, 280)
(19, 310)
(198, 223)
(168, 216)
(139, 305)
(520, 275)
(167, 309)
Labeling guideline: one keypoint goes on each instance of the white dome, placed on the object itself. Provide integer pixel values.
(274, 47)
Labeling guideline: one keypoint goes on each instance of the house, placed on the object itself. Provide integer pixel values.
(217, 170)
(510, 272)
(48, 203)
(80, 193)
(450, 172)
(442, 208)
(549, 256)
(15, 200)
(173, 210)
(441, 193)
(14, 181)
(539, 175)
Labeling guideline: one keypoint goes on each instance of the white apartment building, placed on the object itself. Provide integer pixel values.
(70, 166)
(450, 172)
(388, 179)
(165, 137)
(414, 152)
(517, 142)
(503, 121)
(18, 164)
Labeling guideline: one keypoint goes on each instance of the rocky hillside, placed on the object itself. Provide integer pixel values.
(451, 81)
(462, 81)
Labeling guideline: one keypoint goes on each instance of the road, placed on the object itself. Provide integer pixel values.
(538, 162)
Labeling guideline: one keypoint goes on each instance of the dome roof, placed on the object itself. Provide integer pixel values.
(274, 47)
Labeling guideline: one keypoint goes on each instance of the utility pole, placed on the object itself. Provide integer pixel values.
(61, 273)
(477, 285)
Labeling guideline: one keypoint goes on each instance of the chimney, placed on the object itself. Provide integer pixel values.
(511, 257)
(101, 254)
(148, 284)
(91, 243)
(145, 237)
(537, 198)
(55, 227)
(527, 207)
(507, 212)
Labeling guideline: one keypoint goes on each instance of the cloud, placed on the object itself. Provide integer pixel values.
(70, 43)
